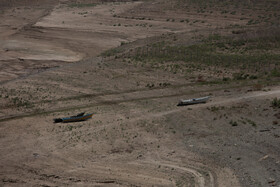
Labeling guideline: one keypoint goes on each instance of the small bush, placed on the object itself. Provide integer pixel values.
(253, 77)
(275, 103)
(238, 31)
(251, 122)
(226, 79)
(233, 123)
(275, 73)
(240, 76)
(257, 87)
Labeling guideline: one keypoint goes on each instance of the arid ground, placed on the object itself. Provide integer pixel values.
(129, 63)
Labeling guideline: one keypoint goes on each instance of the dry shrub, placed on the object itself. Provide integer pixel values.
(257, 87)
(200, 78)
(275, 103)
(277, 115)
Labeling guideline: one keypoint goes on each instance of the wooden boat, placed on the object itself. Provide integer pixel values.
(193, 101)
(78, 117)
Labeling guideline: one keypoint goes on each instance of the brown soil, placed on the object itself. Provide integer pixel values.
(50, 66)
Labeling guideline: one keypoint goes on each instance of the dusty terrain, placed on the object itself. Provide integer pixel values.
(130, 62)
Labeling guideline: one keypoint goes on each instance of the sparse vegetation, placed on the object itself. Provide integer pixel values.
(215, 108)
(112, 52)
(82, 5)
(233, 123)
(214, 51)
(192, 48)
(275, 102)
(251, 122)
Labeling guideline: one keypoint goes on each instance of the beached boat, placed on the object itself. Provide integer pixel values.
(78, 117)
(193, 101)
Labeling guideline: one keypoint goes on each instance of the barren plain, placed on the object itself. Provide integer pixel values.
(130, 62)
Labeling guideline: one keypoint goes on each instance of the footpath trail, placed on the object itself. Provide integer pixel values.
(220, 100)
(226, 100)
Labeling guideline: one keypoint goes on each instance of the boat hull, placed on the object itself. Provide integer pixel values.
(193, 101)
(79, 117)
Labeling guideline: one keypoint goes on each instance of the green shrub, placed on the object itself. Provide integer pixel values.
(233, 123)
(275, 103)
(275, 73)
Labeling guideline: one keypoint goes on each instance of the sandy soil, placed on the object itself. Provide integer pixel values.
(49, 68)
(57, 32)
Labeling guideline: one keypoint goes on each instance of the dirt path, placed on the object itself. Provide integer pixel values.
(199, 178)
(213, 101)
(224, 101)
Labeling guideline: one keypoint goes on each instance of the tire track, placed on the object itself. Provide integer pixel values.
(200, 180)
